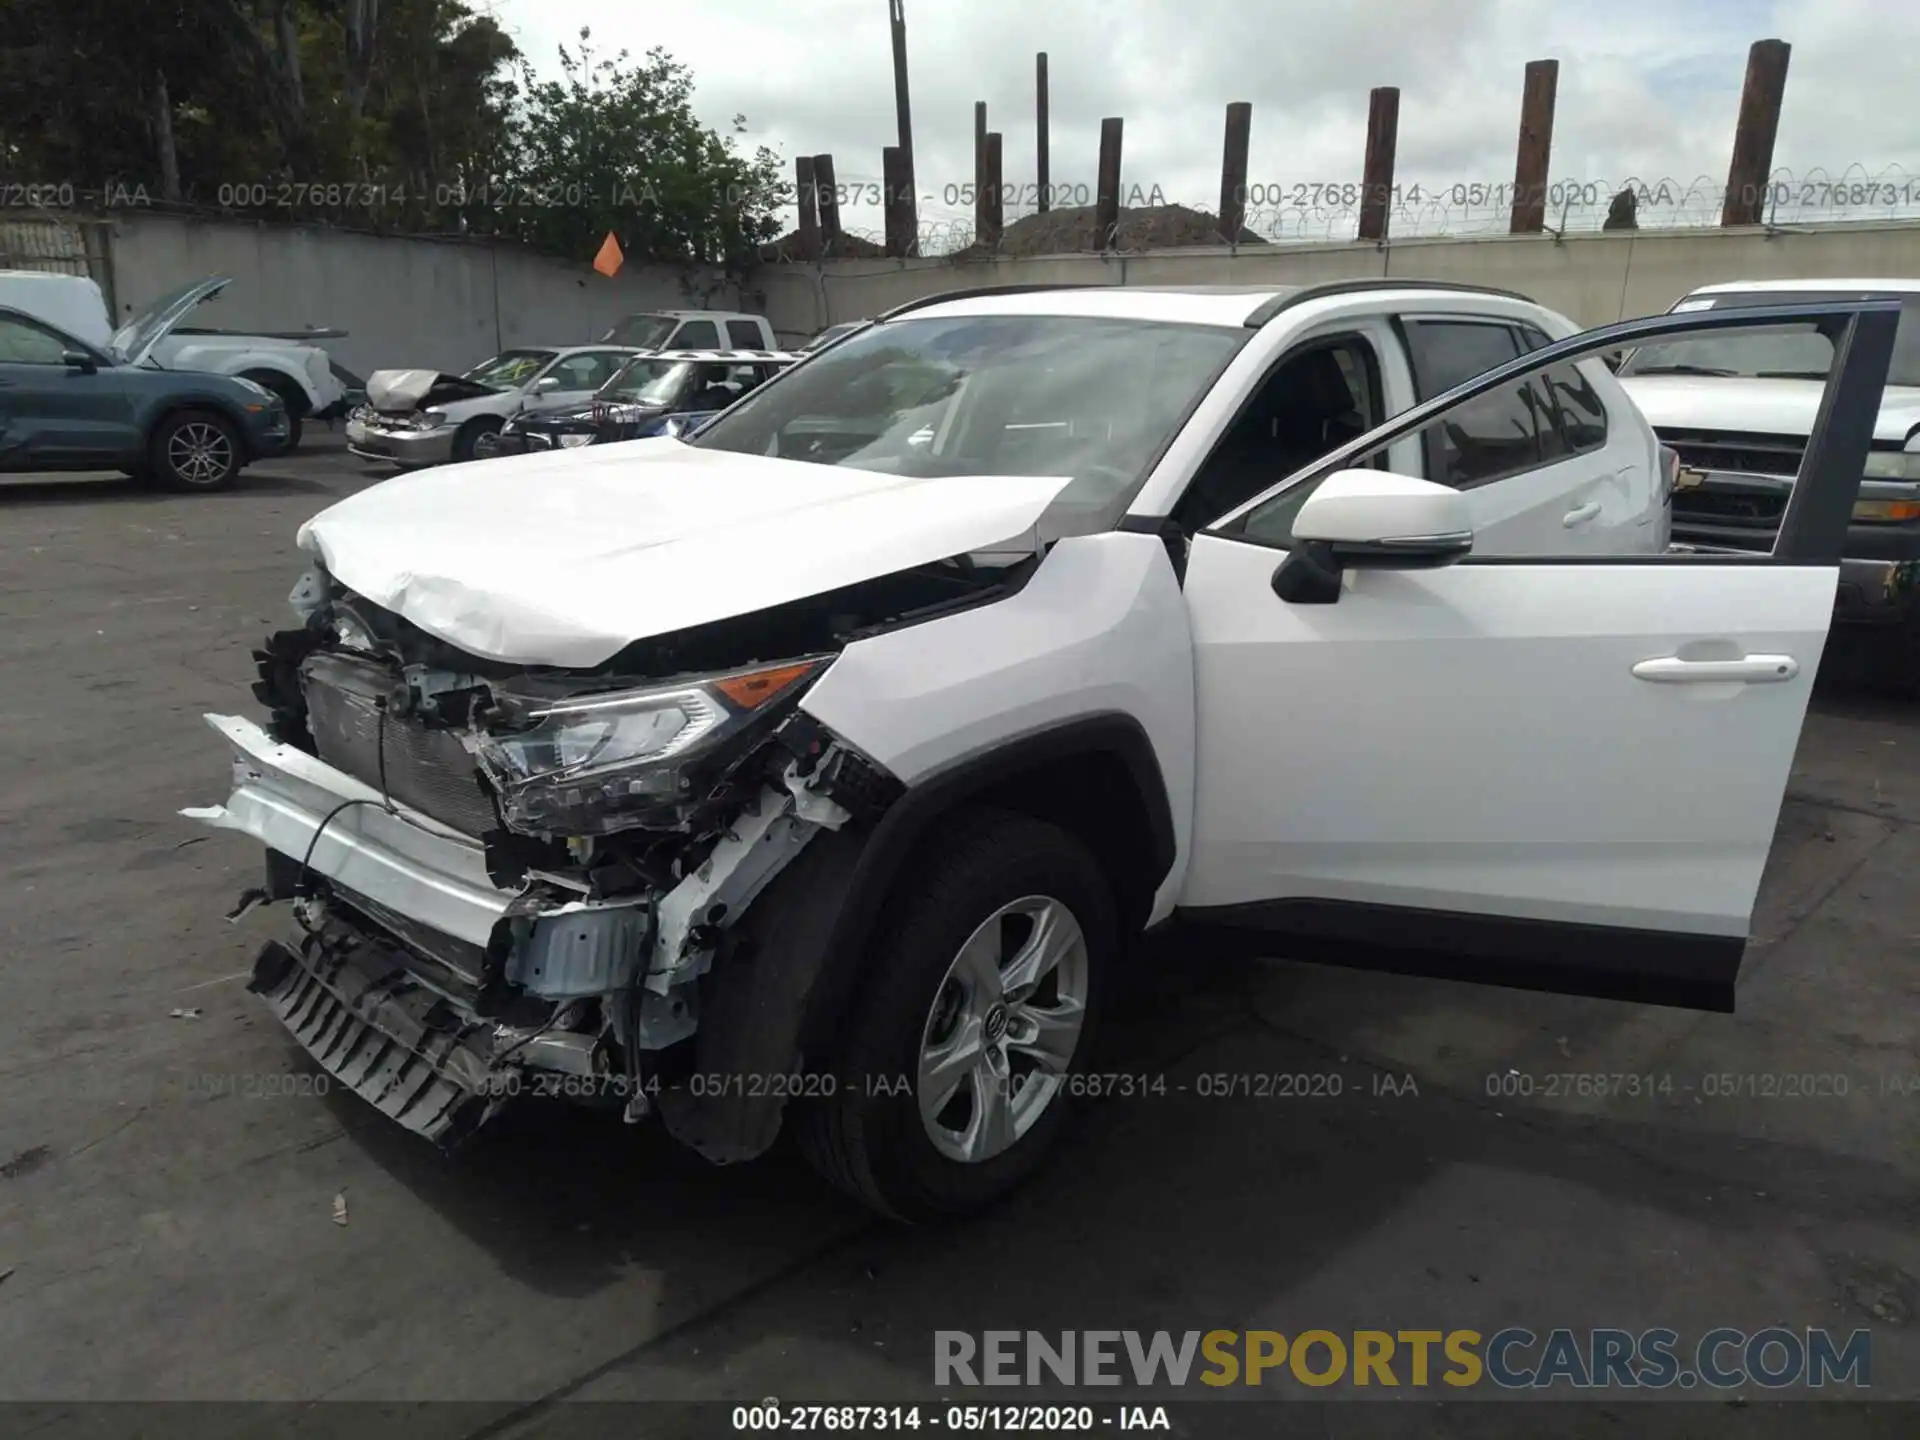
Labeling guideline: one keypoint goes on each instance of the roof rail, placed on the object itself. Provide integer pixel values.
(925, 300)
(1268, 309)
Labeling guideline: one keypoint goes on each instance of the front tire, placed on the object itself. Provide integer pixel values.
(195, 450)
(954, 1077)
(477, 439)
(294, 401)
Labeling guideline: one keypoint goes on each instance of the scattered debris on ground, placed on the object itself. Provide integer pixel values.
(340, 1208)
(179, 1014)
(26, 1162)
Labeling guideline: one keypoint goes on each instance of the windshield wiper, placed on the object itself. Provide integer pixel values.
(1789, 374)
(1679, 370)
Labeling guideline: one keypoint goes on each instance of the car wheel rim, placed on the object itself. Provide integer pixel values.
(1004, 1026)
(199, 453)
(485, 444)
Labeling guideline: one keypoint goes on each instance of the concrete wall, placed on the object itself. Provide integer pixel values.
(449, 304)
(405, 302)
(1594, 278)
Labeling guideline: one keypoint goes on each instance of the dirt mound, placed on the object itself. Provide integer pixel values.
(1074, 229)
(847, 247)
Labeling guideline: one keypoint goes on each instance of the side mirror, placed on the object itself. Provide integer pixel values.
(673, 427)
(78, 360)
(1374, 520)
(546, 383)
(1613, 359)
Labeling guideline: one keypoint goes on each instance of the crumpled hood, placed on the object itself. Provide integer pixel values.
(1742, 405)
(396, 391)
(565, 558)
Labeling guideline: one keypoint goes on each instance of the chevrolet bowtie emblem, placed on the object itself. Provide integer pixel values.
(1685, 479)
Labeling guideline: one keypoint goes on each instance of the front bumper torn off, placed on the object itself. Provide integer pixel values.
(391, 992)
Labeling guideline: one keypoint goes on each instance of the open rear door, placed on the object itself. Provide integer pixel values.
(1562, 773)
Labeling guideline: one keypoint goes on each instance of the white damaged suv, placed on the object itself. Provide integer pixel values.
(824, 767)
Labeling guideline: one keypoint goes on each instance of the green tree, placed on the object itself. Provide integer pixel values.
(614, 145)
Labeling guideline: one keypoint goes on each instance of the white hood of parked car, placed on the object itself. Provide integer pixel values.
(565, 558)
(1744, 405)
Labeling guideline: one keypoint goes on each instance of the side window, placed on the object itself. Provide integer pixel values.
(587, 371)
(1581, 412)
(742, 334)
(713, 387)
(24, 344)
(1317, 398)
(1578, 409)
(696, 335)
(1503, 433)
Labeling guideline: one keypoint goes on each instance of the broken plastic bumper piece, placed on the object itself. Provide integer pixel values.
(403, 1049)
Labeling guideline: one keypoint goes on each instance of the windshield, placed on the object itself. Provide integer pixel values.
(832, 332)
(1794, 352)
(510, 369)
(642, 332)
(1094, 399)
(646, 382)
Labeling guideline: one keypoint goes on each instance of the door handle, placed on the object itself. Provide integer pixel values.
(1580, 514)
(1750, 670)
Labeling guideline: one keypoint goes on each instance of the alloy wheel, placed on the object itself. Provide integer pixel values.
(1004, 1025)
(199, 453)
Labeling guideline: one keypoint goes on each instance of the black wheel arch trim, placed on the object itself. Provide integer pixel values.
(895, 836)
(775, 998)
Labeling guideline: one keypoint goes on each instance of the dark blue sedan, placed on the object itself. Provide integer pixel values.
(671, 392)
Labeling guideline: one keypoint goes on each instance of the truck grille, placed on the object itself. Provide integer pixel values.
(1742, 454)
(426, 770)
(1750, 476)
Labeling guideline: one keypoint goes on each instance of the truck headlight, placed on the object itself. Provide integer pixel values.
(598, 763)
(570, 440)
(1893, 465)
(1885, 499)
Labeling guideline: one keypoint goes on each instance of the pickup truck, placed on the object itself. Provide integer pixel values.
(820, 770)
(693, 330)
(1738, 412)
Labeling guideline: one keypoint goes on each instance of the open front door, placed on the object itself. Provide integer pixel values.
(1558, 773)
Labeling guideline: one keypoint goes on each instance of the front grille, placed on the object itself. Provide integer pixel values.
(1748, 477)
(1731, 505)
(426, 769)
(1742, 454)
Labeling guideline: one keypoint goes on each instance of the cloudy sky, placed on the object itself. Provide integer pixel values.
(1647, 88)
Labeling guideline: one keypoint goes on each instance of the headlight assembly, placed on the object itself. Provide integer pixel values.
(601, 762)
(571, 439)
(1893, 465)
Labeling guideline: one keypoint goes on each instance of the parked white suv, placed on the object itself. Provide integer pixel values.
(830, 760)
